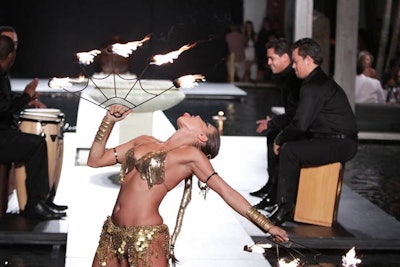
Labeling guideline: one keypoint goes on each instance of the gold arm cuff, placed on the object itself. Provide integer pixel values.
(104, 127)
(259, 219)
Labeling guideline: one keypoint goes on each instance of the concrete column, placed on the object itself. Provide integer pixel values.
(303, 19)
(346, 45)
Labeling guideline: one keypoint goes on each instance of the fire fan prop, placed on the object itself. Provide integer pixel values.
(128, 90)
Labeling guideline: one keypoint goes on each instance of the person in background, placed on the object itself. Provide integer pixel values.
(250, 52)
(368, 90)
(236, 42)
(323, 129)
(279, 55)
(265, 35)
(135, 233)
(19, 147)
(391, 78)
(366, 59)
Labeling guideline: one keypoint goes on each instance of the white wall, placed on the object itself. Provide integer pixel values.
(255, 10)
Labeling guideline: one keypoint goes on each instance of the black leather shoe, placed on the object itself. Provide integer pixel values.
(266, 204)
(285, 212)
(54, 206)
(263, 191)
(60, 212)
(42, 212)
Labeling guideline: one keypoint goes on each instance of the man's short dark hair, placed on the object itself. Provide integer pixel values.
(6, 46)
(6, 29)
(281, 46)
(309, 47)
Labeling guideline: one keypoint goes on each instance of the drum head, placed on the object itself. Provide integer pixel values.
(43, 110)
(39, 117)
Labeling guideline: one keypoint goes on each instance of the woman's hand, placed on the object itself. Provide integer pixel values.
(117, 113)
(278, 234)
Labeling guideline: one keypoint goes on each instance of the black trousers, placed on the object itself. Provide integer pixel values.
(314, 151)
(31, 150)
(273, 160)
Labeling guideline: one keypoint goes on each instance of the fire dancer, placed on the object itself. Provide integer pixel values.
(135, 234)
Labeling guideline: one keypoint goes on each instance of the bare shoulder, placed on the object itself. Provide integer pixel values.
(142, 139)
(188, 153)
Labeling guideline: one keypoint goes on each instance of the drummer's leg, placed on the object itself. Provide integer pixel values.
(31, 150)
(37, 176)
(37, 182)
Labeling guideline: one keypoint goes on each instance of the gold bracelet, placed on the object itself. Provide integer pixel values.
(104, 126)
(259, 219)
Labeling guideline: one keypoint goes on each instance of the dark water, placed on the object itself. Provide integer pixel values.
(375, 174)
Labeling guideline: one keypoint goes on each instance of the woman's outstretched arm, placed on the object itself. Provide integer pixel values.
(99, 156)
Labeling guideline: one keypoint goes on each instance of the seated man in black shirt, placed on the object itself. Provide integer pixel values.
(323, 129)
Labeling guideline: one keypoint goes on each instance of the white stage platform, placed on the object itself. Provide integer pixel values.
(215, 91)
(203, 90)
(18, 85)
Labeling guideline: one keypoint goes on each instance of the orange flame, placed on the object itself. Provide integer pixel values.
(87, 58)
(60, 83)
(169, 57)
(350, 260)
(189, 81)
(125, 50)
(287, 263)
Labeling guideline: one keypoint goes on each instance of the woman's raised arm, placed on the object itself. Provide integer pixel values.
(99, 156)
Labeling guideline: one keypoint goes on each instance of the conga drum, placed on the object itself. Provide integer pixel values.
(47, 123)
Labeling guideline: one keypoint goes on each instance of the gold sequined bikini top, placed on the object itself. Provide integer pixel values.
(150, 166)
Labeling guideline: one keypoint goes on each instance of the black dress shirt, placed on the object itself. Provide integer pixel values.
(323, 108)
(11, 103)
(290, 86)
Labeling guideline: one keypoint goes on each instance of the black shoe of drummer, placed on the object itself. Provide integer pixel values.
(267, 204)
(263, 191)
(41, 211)
(284, 212)
(54, 206)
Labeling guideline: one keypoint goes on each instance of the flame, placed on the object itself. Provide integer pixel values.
(258, 247)
(169, 57)
(286, 263)
(86, 58)
(350, 260)
(60, 83)
(125, 50)
(189, 81)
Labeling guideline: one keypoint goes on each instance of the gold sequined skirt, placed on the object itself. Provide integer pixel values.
(139, 244)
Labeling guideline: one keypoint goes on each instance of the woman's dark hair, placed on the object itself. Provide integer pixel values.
(309, 47)
(211, 148)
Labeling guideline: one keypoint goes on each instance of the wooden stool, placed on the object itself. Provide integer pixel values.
(4, 187)
(318, 194)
